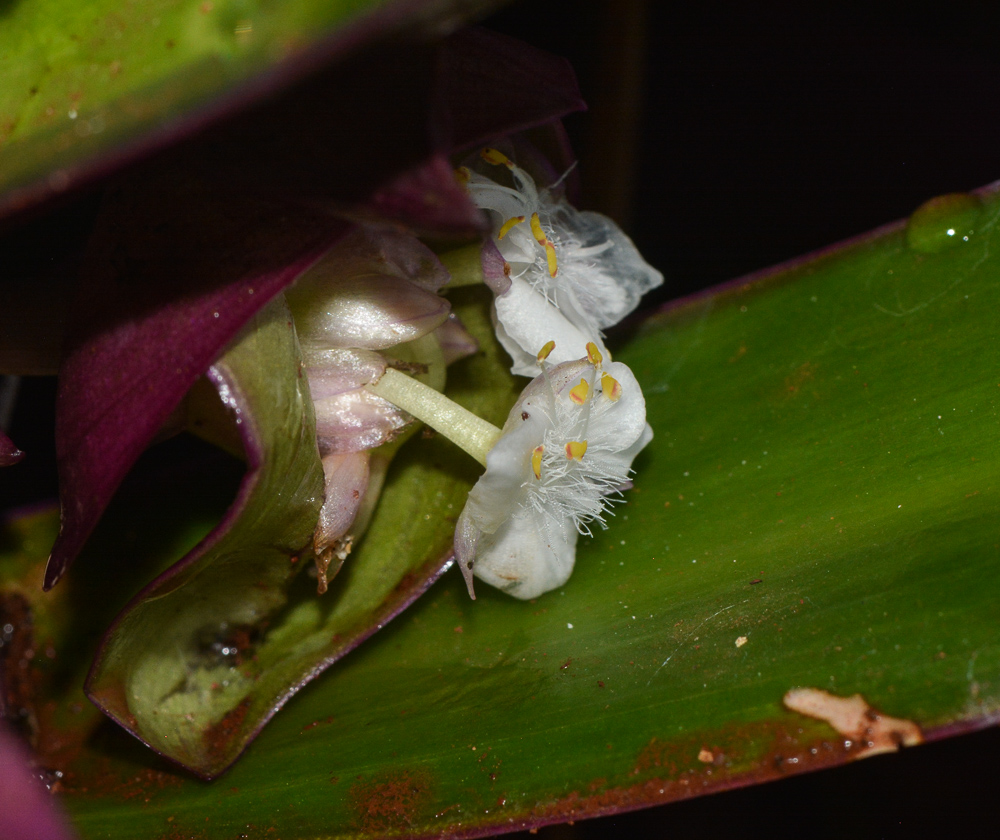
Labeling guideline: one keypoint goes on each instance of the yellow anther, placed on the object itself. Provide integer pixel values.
(536, 460)
(536, 230)
(579, 393)
(510, 223)
(506, 268)
(612, 387)
(547, 348)
(462, 174)
(495, 157)
(550, 255)
(593, 354)
(576, 449)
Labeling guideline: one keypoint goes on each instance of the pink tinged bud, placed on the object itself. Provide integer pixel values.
(346, 483)
(356, 420)
(455, 341)
(371, 312)
(335, 370)
(374, 289)
(401, 255)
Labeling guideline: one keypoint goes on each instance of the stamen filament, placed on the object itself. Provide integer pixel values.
(463, 428)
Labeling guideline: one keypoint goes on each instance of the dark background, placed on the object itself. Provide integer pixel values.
(726, 137)
(762, 131)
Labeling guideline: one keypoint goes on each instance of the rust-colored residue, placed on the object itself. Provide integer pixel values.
(667, 771)
(853, 718)
(103, 778)
(390, 800)
(218, 738)
(797, 380)
(318, 723)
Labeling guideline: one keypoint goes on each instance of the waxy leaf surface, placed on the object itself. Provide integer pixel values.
(87, 88)
(817, 510)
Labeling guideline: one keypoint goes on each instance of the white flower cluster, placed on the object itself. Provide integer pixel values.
(567, 448)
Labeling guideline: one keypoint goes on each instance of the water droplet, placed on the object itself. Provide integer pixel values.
(943, 222)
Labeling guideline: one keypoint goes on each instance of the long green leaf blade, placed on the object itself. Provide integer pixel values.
(817, 510)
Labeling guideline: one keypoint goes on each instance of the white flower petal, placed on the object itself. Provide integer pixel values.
(526, 321)
(599, 275)
(518, 530)
(527, 556)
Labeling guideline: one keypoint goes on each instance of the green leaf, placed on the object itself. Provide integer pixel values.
(182, 668)
(88, 86)
(817, 510)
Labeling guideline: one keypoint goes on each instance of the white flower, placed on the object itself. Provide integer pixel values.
(565, 454)
(571, 273)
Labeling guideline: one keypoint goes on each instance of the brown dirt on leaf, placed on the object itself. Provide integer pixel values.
(104, 778)
(667, 771)
(219, 736)
(391, 800)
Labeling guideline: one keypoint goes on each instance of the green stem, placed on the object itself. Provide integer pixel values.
(463, 428)
(464, 264)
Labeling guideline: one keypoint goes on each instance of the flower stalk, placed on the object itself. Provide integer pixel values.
(463, 428)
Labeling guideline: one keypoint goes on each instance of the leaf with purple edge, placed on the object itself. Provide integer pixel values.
(86, 90)
(873, 405)
(190, 246)
(372, 122)
(181, 668)
(172, 272)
